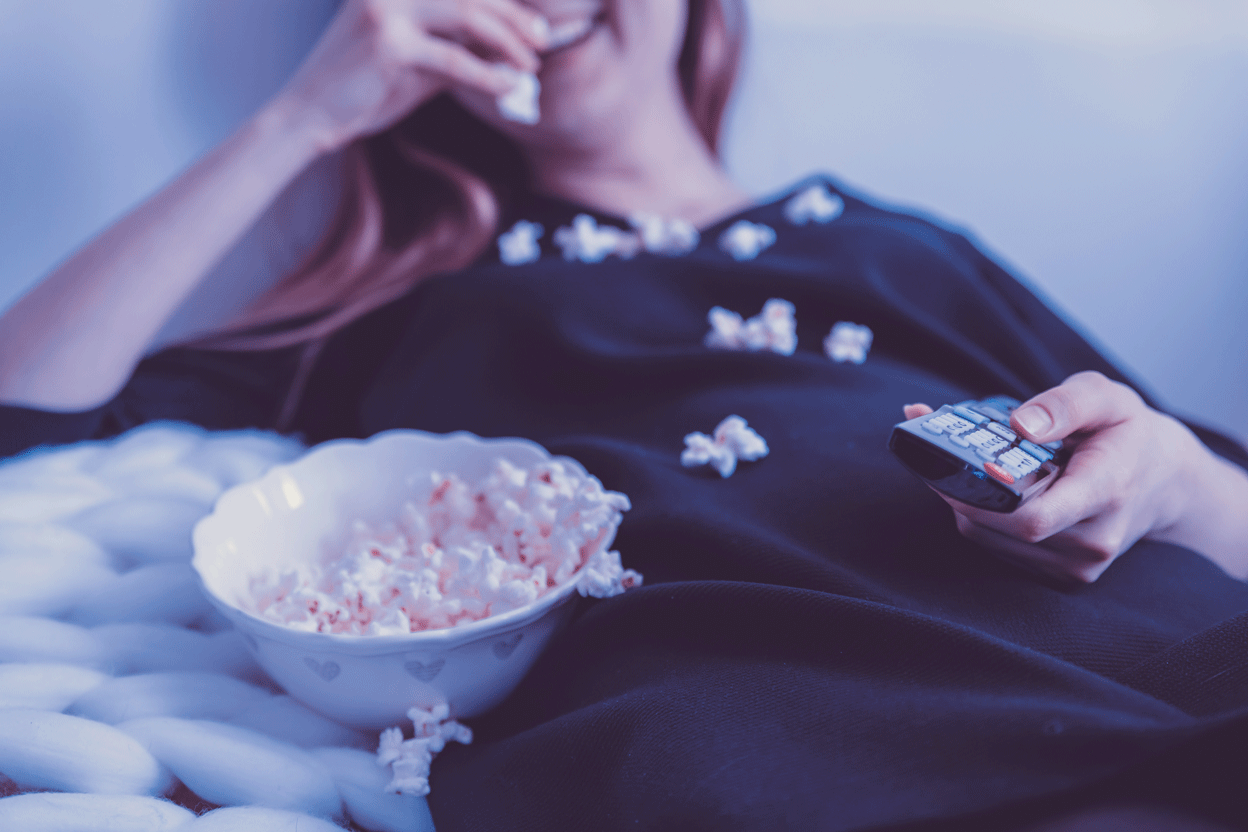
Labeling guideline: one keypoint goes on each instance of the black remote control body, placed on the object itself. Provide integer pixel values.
(968, 451)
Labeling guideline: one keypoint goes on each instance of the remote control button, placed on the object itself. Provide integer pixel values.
(1002, 431)
(959, 440)
(932, 426)
(970, 415)
(993, 412)
(1018, 462)
(992, 447)
(958, 426)
(1040, 453)
(980, 437)
(999, 473)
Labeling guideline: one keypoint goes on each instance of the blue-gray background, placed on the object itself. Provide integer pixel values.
(1098, 147)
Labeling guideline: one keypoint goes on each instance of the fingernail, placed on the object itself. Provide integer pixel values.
(1034, 420)
(507, 75)
(541, 28)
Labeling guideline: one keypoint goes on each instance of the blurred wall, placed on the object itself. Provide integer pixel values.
(1096, 147)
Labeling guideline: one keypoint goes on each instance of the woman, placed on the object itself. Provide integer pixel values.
(816, 644)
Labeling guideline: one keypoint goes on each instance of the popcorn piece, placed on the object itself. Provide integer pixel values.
(773, 329)
(604, 576)
(663, 236)
(733, 440)
(467, 552)
(520, 104)
(814, 203)
(589, 242)
(409, 760)
(744, 240)
(519, 245)
(848, 342)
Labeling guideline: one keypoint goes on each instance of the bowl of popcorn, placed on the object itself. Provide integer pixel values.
(409, 570)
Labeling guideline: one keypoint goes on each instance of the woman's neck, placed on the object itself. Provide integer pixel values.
(660, 165)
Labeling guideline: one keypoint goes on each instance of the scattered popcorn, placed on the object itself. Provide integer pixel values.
(589, 242)
(663, 236)
(521, 103)
(519, 245)
(814, 203)
(848, 342)
(733, 440)
(744, 240)
(773, 329)
(468, 552)
(409, 760)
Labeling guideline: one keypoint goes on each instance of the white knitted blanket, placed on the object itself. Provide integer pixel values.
(127, 703)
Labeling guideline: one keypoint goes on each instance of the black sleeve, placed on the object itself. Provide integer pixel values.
(215, 389)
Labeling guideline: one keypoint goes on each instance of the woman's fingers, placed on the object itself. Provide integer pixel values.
(1090, 485)
(1064, 557)
(1083, 403)
(528, 23)
(477, 43)
(914, 411)
(1118, 486)
(483, 29)
(458, 65)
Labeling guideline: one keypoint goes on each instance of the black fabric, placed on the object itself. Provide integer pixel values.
(815, 645)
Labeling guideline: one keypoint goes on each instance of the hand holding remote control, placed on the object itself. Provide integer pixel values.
(1125, 472)
(971, 452)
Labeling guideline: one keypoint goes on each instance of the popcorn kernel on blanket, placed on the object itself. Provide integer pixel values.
(587, 241)
(519, 245)
(671, 237)
(848, 342)
(468, 552)
(773, 329)
(745, 240)
(814, 203)
(733, 440)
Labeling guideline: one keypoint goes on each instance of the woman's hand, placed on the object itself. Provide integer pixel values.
(1134, 473)
(380, 59)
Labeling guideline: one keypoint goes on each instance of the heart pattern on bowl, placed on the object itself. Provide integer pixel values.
(424, 672)
(507, 646)
(327, 670)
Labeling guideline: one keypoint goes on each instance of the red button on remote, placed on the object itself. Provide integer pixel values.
(999, 473)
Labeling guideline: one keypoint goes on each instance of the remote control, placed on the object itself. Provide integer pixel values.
(968, 451)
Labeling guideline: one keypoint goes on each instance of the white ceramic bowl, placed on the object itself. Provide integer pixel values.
(298, 511)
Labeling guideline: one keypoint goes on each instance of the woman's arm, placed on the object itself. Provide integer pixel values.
(71, 343)
(1134, 473)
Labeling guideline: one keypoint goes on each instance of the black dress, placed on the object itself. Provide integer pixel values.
(815, 645)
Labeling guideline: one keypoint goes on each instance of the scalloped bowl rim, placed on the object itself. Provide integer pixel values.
(441, 638)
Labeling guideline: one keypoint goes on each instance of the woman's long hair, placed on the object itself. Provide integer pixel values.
(383, 240)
